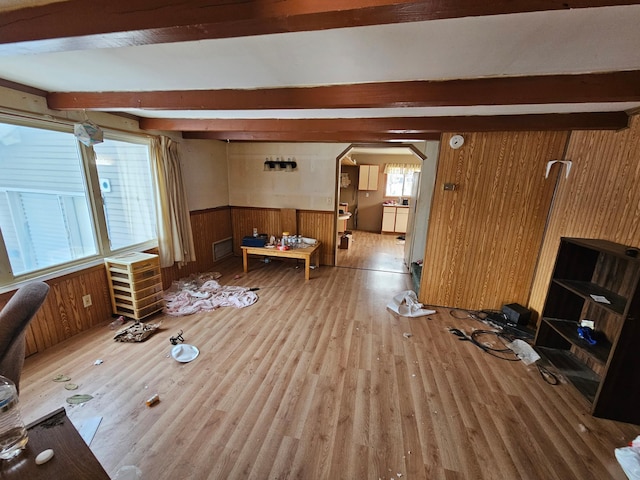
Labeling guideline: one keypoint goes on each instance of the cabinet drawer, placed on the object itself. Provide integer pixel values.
(138, 313)
(127, 286)
(139, 302)
(139, 276)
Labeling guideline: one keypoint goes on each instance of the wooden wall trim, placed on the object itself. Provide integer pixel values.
(205, 211)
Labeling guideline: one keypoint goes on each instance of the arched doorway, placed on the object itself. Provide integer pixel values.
(360, 209)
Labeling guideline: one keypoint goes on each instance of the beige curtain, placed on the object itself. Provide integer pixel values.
(175, 239)
(401, 168)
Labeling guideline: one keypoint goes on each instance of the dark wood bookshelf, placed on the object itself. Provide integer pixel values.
(605, 373)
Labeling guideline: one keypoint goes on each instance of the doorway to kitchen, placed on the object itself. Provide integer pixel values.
(363, 240)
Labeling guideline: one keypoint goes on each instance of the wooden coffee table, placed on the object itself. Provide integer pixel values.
(300, 253)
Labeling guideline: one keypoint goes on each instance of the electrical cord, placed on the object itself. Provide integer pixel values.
(505, 353)
(546, 375)
(501, 353)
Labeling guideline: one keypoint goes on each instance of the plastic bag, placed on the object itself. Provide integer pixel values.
(406, 304)
(629, 459)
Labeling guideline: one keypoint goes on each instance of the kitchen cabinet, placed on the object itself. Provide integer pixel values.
(395, 218)
(599, 281)
(368, 177)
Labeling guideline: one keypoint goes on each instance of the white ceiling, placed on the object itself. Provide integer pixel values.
(538, 43)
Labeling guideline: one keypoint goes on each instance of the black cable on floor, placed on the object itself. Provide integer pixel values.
(501, 353)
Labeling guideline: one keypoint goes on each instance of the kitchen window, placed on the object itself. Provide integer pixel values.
(399, 179)
(62, 203)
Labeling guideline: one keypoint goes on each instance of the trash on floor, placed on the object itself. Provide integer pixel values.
(61, 378)
(128, 472)
(151, 401)
(79, 398)
(203, 293)
(406, 304)
(524, 351)
(87, 428)
(71, 386)
(177, 339)
(629, 459)
(98, 362)
(137, 332)
(117, 323)
(184, 353)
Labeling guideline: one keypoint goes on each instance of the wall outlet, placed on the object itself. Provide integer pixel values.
(86, 301)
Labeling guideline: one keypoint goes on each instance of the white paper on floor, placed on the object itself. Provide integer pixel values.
(406, 304)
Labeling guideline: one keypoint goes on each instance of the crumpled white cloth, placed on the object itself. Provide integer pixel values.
(406, 304)
(206, 297)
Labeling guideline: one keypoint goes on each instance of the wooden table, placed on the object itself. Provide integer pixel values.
(299, 253)
(72, 459)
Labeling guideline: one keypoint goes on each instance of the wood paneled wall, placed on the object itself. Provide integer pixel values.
(600, 199)
(208, 226)
(63, 314)
(320, 225)
(484, 237)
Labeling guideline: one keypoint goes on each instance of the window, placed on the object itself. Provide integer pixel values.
(50, 216)
(400, 179)
(127, 194)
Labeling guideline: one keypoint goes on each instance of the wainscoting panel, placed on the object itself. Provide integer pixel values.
(63, 314)
(485, 235)
(311, 223)
(209, 226)
(600, 199)
(321, 226)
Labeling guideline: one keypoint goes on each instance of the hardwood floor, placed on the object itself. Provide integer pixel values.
(318, 381)
(374, 251)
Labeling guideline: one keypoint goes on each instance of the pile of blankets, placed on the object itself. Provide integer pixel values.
(203, 293)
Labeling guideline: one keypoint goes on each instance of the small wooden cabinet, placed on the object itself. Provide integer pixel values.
(394, 219)
(599, 281)
(368, 177)
(135, 284)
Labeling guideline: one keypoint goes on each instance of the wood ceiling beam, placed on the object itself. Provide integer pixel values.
(541, 89)
(296, 136)
(79, 25)
(398, 125)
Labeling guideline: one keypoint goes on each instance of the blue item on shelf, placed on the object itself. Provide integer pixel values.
(586, 333)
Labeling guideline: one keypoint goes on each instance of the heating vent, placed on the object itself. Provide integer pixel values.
(222, 249)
